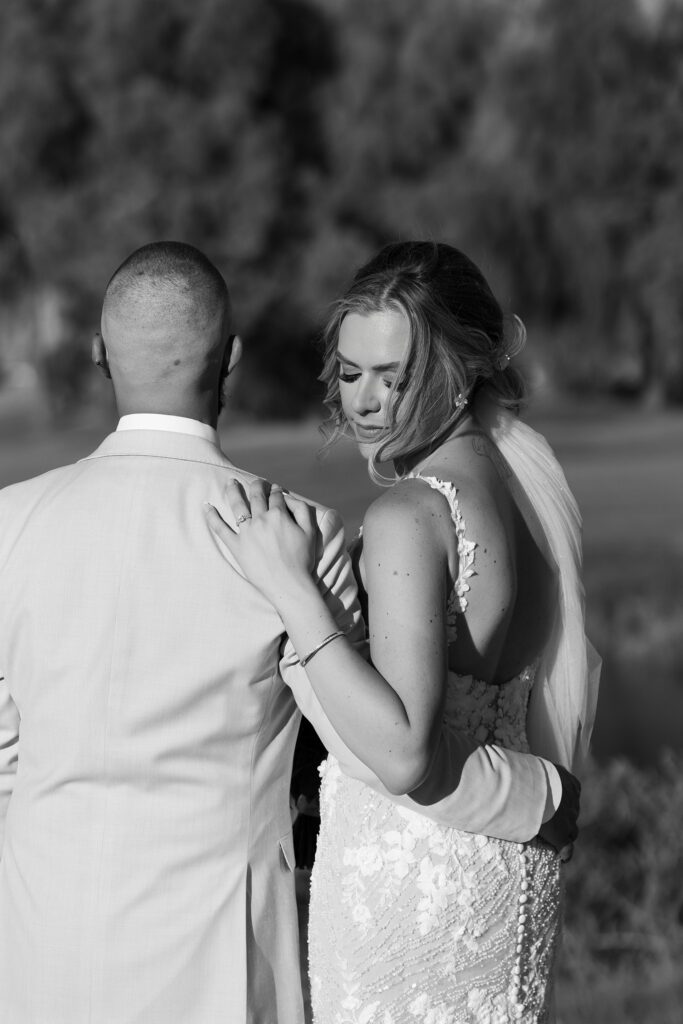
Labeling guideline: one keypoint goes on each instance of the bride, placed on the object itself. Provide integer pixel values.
(469, 564)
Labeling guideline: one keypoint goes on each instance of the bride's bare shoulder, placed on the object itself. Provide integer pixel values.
(409, 499)
(409, 514)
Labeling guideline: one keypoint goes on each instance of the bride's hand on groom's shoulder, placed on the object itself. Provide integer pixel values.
(274, 538)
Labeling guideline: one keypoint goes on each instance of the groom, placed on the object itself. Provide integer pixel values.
(147, 718)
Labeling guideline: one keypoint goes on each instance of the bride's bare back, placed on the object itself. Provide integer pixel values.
(511, 596)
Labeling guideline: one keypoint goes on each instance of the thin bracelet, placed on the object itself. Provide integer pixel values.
(323, 643)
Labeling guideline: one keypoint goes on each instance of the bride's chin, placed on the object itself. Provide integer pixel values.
(366, 448)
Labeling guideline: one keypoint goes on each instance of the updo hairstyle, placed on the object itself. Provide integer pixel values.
(459, 347)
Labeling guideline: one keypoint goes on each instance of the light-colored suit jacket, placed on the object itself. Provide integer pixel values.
(147, 725)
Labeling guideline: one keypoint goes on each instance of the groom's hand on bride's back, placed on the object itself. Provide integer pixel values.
(561, 830)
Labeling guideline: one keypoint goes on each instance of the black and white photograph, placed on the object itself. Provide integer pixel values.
(341, 512)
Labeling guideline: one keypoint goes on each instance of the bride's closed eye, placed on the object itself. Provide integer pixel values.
(349, 378)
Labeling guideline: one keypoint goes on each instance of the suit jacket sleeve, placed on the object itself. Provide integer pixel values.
(471, 786)
(9, 743)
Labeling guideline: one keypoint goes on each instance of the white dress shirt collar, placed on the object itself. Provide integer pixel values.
(174, 424)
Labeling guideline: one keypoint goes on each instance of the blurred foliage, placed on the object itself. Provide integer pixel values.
(291, 138)
(635, 619)
(623, 939)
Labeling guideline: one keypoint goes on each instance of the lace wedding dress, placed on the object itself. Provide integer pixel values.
(414, 923)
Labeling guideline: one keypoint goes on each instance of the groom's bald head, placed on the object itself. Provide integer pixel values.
(165, 323)
(166, 299)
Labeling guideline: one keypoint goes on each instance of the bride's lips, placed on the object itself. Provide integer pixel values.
(367, 432)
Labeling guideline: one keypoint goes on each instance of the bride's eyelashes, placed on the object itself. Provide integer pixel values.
(349, 378)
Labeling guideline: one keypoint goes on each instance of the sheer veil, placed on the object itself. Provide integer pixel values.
(564, 697)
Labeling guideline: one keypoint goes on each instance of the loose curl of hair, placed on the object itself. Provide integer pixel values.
(459, 346)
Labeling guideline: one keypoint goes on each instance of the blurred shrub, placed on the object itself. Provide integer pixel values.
(280, 365)
(624, 901)
(635, 619)
(623, 942)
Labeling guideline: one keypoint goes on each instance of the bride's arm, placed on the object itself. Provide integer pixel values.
(388, 714)
(470, 786)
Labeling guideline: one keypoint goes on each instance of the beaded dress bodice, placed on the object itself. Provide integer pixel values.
(413, 922)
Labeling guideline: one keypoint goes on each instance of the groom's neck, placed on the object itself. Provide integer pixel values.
(201, 407)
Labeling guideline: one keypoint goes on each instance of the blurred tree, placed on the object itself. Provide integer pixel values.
(126, 123)
(597, 146)
(399, 112)
(290, 138)
(282, 365)
(178, 151)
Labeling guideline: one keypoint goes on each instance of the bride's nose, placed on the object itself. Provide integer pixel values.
(366, 399)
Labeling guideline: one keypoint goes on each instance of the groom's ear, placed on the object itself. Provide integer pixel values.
(99, 354)
(233, 353)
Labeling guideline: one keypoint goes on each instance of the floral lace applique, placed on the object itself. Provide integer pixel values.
(492, 714)
(415, 923)
(457, 602)
(486, 1008)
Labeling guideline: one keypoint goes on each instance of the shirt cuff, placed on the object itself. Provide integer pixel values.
(554, 789)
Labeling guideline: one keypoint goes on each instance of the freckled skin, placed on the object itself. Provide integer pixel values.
(506, 611)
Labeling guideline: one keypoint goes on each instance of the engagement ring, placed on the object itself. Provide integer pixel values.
(243, 518)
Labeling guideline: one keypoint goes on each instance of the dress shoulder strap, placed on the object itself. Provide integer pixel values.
(466, 548)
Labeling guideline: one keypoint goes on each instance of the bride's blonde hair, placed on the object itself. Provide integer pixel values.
(459, 345)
